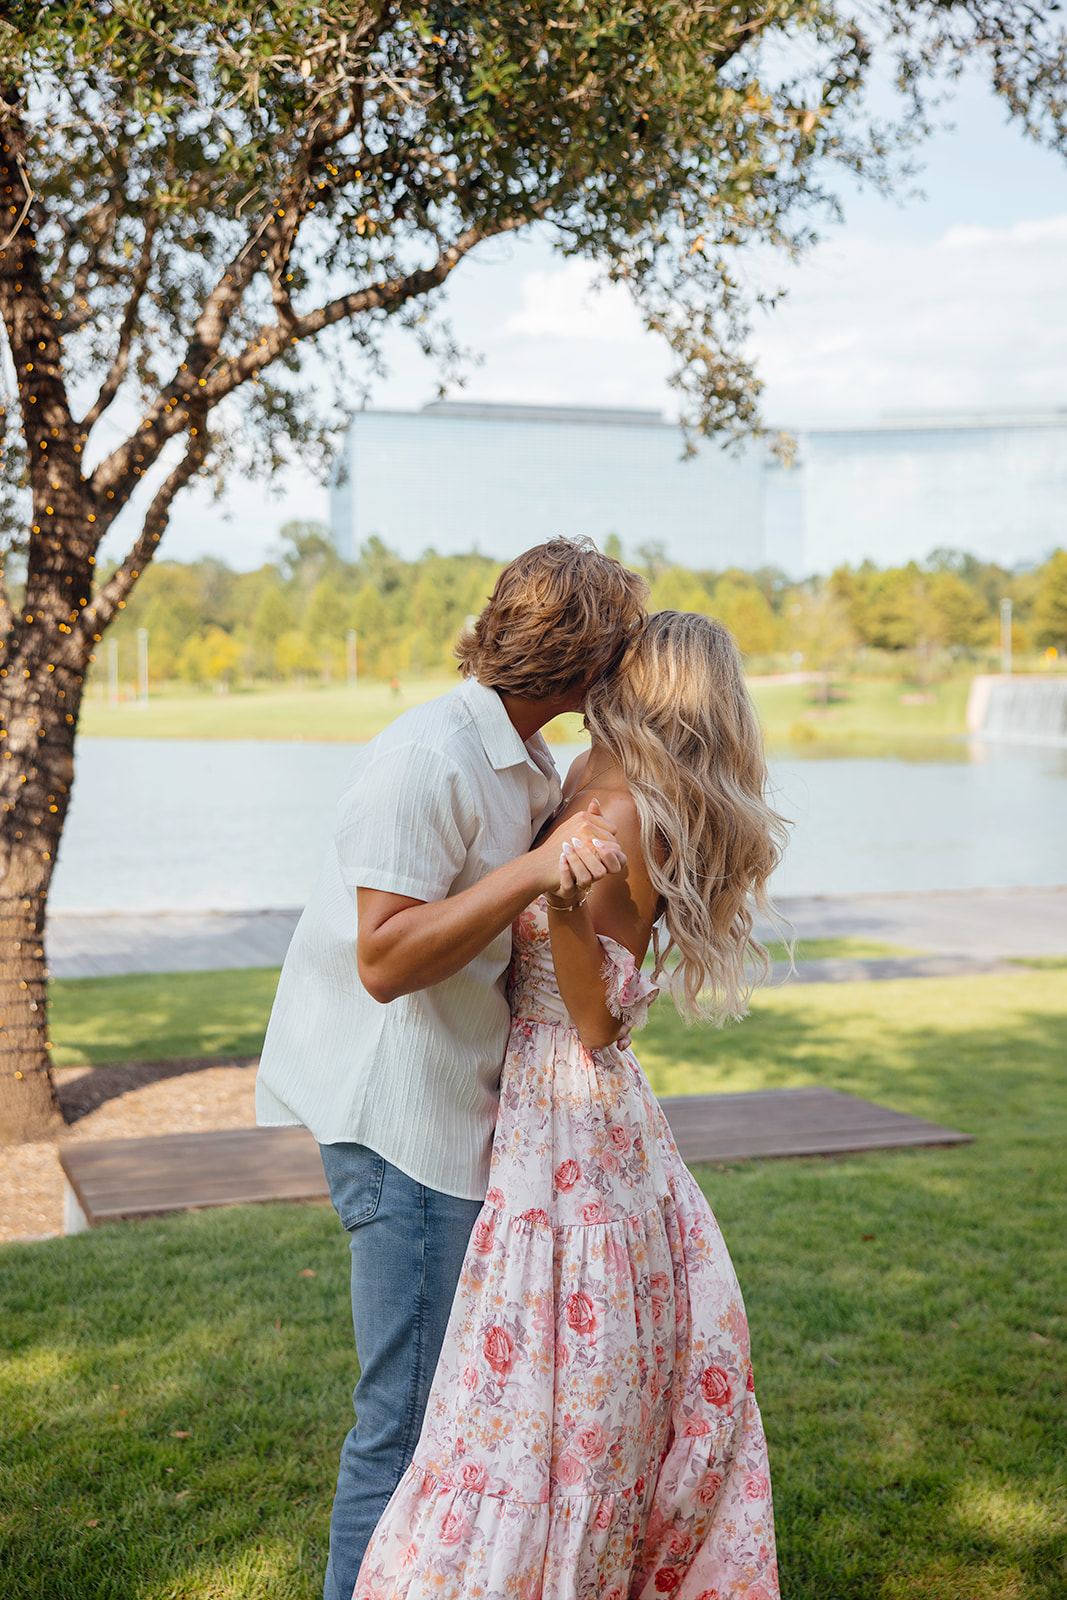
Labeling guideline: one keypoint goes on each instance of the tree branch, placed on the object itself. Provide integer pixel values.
(388, 296)
(111, 384)
(96, 235)
(52, 443)
(29, 196)
(95, 618)
(6, 615)
(120, 471)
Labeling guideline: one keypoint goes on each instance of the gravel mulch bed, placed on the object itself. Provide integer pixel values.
(133, 1100)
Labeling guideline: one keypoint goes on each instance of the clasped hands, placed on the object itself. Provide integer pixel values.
(577, 854)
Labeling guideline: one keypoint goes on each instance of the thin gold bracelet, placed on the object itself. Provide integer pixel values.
(577, 904)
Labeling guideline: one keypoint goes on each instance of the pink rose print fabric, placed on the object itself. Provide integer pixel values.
(592, 1432)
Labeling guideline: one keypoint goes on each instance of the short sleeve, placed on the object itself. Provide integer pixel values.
(401, 824)
(629, 992)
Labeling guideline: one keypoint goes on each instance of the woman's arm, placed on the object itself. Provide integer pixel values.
(622, 906)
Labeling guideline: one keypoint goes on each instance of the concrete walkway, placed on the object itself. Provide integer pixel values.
(84, 944)
(960, 931)
(983, 924)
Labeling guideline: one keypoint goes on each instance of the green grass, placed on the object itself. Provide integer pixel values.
(320, 711)
(326, 712)
(166, 1016)
(908, 1312)
(159, 1017)
(869, 718)
(852, 949)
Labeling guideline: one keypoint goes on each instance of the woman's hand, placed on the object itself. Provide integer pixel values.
(582, 862)
(577, 854)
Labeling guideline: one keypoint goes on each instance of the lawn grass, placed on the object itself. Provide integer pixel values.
(326, 712)
(167, 1016)
(320, 711)
(908, 1313)
(848, 948)
(160, 1017)
(868, 716)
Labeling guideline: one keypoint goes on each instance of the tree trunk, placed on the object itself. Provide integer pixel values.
(42, 660)
(36, 771)
(28, 1105)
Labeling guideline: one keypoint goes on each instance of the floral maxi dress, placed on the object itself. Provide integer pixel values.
(592, 1432)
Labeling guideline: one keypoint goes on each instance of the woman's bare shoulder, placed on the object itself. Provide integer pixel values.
(619, 804)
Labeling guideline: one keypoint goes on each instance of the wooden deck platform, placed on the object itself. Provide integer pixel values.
(114, 1180)
(792, 1122)
(118, 1179)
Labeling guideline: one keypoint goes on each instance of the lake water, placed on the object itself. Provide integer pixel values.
(159, 824)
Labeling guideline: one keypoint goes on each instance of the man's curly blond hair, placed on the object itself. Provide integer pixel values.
(560, 615)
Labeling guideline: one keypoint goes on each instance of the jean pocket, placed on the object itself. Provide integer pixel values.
(355, 1176)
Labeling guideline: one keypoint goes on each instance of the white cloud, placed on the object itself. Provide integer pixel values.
(970, 319)
(564, 340)
(973, 319)
(568, 303)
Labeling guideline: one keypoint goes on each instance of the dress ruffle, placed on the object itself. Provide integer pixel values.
(629, 992)
(592, 1432)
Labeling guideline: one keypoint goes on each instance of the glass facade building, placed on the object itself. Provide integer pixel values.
(459, 475)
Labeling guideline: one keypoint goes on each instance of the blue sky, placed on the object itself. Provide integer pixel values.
(945, 300)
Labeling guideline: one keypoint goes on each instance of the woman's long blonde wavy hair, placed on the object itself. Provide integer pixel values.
(677, 717)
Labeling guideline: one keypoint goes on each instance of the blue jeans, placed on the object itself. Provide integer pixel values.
(408, 1244)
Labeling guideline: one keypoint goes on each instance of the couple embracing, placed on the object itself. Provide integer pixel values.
(555, 1398)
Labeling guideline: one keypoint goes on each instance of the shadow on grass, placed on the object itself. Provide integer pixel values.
(874, 1040)
(174, 1395)
(160, 1016)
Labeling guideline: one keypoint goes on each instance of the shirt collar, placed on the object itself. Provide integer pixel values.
(496, 730)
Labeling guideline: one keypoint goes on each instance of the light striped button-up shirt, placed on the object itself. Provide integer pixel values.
(442, 797)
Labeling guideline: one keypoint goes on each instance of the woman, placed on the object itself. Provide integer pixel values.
(592, 1433)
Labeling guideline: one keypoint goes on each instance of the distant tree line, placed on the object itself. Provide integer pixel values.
(292, 619)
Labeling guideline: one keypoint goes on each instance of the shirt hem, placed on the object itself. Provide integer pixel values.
(274, 1113)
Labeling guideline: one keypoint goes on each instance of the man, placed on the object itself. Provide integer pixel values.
(390, 1024)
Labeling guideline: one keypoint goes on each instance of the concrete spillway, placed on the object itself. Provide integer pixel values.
(1023, 710)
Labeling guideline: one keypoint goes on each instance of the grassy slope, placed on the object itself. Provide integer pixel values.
(907, 1310)
(871, 718)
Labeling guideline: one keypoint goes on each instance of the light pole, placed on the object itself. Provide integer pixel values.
(142, 666)
(351, 663)
(1005, 638)
(113, 672)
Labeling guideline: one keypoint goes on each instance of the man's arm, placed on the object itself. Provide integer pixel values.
(405, 945)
